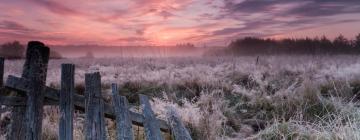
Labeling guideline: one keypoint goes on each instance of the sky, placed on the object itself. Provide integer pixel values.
(169, 22)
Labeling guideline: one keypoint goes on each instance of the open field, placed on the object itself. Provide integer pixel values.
(276, 97)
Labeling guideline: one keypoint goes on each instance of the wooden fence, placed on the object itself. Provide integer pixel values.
(33, 94)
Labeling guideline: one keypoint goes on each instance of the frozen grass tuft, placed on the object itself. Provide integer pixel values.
(344, 125)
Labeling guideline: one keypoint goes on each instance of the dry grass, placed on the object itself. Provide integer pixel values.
(282, 97)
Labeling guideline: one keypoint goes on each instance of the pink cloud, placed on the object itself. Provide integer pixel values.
(57, 7)
(113, 22)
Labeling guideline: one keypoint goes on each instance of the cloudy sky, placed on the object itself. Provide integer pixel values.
(166, 22)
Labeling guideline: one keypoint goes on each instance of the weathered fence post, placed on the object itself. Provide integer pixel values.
(67, 92)
(123, 120)
(36, 91)
(95, 123)
(37, 57)
(1, 71)
(35, 68)
(177, 127)
(151, 125)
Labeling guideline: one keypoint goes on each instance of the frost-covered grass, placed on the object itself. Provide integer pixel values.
(280, 97)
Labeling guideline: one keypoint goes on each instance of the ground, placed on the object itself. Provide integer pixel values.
(276, 97)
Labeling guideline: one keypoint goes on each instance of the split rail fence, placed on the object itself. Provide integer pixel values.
(33, 94)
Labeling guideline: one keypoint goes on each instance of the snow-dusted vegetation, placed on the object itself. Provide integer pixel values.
(272, 97)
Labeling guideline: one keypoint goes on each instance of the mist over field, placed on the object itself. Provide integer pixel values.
(131, 51)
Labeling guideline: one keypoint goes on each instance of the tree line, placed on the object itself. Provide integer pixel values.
(304, 46)
(15, 50)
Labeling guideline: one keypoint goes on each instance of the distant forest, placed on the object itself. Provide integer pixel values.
(239, 47)
(15, 50)
(302, 46)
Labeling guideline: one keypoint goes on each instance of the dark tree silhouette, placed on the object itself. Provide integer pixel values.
(15, 50)
(357, 41)
(308, 46)
(12, 50)
(341, 41)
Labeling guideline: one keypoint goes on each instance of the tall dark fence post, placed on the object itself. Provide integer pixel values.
(33, 54)
(67, 92)
(151, 125)
(123, 120)
(1, 71)
(39, 55)
(95, 123)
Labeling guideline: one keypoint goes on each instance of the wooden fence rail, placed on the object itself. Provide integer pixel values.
(52, 97)
(32, 94)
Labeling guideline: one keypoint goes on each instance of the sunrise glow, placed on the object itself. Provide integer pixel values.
(168, 22)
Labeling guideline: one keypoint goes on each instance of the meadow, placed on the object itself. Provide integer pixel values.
(272, 97)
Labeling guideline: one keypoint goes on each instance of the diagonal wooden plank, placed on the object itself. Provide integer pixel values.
(177, 127)
(66, 102)
(151, 126)
(20, 84)
(123, 120)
